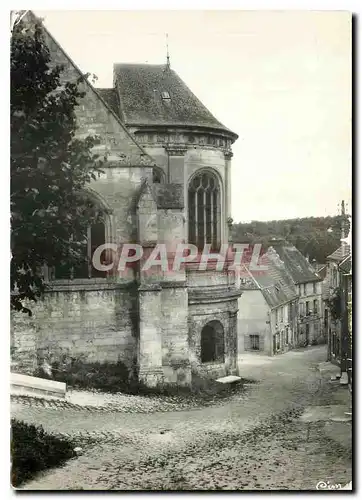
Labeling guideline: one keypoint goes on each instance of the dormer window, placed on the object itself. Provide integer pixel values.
(165, 96)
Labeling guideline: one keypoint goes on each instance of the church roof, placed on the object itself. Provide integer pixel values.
(155, 95)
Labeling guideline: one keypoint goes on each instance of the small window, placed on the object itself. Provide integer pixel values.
(305, 289)
(157, 176)
(254, 342)
(165, 95)
(314, 288)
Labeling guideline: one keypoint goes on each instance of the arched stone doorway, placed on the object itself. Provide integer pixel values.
(213, 343)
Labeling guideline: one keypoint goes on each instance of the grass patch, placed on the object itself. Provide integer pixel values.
(105, 377)
(115, 377)
(33, 450)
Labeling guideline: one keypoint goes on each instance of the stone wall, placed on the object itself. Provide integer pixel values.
(202, 313)
(93, 325)
(174, 326)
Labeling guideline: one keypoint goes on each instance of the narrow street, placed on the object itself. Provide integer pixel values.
(276, 434)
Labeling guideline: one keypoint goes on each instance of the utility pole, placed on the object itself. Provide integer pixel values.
(343, 213)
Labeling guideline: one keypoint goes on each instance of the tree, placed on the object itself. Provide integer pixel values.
(50, 167)
(316, 237)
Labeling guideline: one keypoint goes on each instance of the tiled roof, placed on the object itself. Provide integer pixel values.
(275, 284)
(295, 263)
(140, 88)
(346, 265)
(341, 253)
(322, 270)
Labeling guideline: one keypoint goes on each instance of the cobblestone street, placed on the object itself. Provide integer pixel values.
(255, 440)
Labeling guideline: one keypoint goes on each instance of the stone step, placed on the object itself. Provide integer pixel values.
(229, 379)
(25, 384)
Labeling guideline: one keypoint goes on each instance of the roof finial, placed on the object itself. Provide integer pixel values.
(168, 66)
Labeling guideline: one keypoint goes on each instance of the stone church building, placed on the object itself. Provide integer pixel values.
(166, 180)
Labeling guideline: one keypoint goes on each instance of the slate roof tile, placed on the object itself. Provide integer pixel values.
(341, 253)
(140, 88)
(296, 264)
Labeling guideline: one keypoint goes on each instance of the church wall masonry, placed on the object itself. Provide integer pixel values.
(84, 325)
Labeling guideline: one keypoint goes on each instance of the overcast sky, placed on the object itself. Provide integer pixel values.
(280, 80)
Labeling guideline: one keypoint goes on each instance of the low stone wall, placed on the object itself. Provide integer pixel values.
(92, 326)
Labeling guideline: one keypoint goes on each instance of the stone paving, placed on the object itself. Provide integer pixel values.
(254, 441)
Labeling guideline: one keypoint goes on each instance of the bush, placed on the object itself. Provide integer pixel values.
(116, 377)
(107, 377)
(32, 450)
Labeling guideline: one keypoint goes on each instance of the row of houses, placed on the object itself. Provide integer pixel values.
(337, 301)
(281, 308)
(294, 303)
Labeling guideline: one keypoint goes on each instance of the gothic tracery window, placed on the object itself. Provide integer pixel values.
(204, 210)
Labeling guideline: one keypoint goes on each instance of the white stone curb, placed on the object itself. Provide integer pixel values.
(20, 384)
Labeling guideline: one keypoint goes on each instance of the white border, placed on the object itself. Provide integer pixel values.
(346, 5)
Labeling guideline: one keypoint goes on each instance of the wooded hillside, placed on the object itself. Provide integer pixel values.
(317, 237)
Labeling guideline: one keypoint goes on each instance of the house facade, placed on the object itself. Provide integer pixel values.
(345, 270)
(308, 284)
(331, 296)
(310, 312)
(280, 308)
(166, 180)
(268, 309)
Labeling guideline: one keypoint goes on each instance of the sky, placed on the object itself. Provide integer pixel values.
(282, 80)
